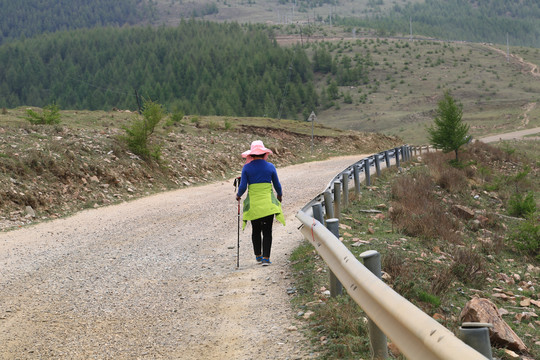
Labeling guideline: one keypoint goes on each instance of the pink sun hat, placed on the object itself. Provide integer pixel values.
(257, 148)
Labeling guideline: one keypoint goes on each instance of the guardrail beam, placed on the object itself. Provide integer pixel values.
(416, 334)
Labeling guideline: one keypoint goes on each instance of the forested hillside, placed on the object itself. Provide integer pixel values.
(470, 20)
(197, 67)
(30, 17)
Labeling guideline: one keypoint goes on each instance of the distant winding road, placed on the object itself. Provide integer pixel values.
(518, 135)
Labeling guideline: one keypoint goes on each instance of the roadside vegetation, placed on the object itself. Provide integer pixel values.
(445, 234)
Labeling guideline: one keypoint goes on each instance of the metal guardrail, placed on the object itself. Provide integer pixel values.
(416, 334)
(352, 172)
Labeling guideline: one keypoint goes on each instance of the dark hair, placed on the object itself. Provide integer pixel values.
(258, 156)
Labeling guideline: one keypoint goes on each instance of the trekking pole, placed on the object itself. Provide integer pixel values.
(238, 242)
(236, 184)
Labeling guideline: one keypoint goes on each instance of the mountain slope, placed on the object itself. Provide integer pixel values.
(32, 17)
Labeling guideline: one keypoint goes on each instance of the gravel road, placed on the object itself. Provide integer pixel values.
(155, 278)
(512, 135)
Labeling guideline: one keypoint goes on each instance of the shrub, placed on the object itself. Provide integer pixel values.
(344, 327)
(446, 176)
(468, 266)
(175, 118)
(195, 120)
(49, 116)
(429, 298)
(138, 133)
(417, 212)
(212, 125)
(4, 111)
(527, 237)
(442, 281)
(393, 263)
(521, 205)
(451, 179)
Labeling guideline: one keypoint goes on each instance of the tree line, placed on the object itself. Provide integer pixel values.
(31, 17)
(198, 67)
(477, 21)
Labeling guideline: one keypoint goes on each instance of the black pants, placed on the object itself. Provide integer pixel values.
(262, 226)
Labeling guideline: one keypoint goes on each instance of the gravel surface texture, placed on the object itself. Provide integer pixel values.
(156, 278)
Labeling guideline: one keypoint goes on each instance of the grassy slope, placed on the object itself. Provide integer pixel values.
(81, 163)
(437, 268)
(409, 78)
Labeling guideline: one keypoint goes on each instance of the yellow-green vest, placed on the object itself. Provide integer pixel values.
(260, 202)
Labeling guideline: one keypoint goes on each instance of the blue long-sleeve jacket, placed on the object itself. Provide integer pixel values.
(259, 171)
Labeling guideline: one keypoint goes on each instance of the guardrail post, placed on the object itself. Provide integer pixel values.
(476, 335)
(404, 153)
(379, 346)
(387, 158)
(337, 199)
(377, 164)
(366, 172)
(356, 174)
(318, 213)
(328, 204)
(336, 288)
(345, 182)
(396, 153)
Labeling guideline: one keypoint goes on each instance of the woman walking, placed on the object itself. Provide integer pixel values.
(260, 205)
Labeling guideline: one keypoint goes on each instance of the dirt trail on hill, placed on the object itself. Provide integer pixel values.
(155, 278)
(527, 66)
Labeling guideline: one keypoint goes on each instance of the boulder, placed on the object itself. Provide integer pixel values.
(30, 213)
(484, 311)
(462, 212)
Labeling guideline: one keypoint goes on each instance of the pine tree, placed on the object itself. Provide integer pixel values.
(449, 132)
